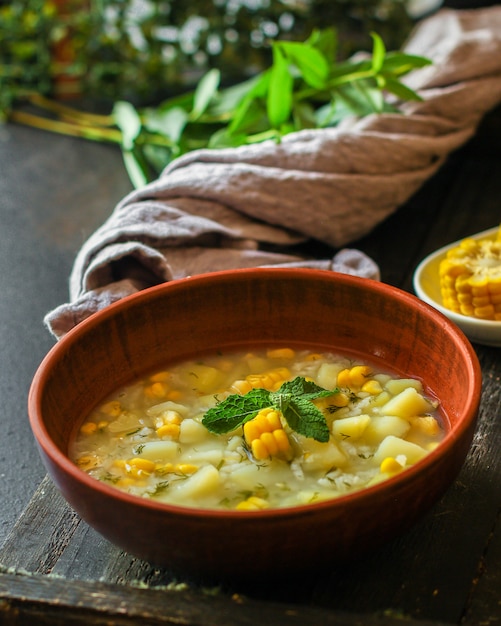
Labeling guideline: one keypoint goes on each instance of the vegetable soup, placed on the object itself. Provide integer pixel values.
(247, 431)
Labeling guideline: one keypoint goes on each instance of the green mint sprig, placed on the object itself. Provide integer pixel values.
(294, 400)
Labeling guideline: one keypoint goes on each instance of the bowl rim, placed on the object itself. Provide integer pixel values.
(50, 450)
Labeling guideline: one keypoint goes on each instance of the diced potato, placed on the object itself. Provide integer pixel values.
(382, 426)
(127, 421)
(327, 375)
(192, 431)
(245, 476)
(408, 403)
(199, 484)
(352, 427)
(395, 446)
(209, 453)
(381, 399)
(322, 456)
(397, 385)
(169, 405)
(204, 378)
(158, 451)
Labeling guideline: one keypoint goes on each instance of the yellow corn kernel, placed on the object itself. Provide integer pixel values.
(259, 450)
(372, 386)
(470, 278)
(354, 377)
(125, 482)
(112, 408)
(343, 378)
(141, 464)
(426, 424)
(253, 503)
(339, 399)
(171, 417)
(164, 468)
(269, 380)
(282, 440)
(156, 390)
(186, 468)
(241, 386)
(314, 356)
(359, 375)
(281, 353)
(269, 442)
(390, 466)
(89, 428)
(169, 430)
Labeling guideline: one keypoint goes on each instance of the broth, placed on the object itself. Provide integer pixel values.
(301, 426)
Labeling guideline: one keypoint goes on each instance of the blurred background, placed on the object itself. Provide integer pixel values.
(142, 50)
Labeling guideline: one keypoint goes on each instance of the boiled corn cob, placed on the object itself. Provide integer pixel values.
(470, 278)
(265, 435)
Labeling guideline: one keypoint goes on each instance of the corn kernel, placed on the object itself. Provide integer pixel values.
(169, 430)
(269, 441)
(164, 468)
(253, 503)
(281, 353)
(241, 386)
(343, 378)
(156, 390)
(89, 428)
(359, 375)
(186, 468)
(282, 440)
(142, 464)
(390, 466)
(259, 450)
(372, 386)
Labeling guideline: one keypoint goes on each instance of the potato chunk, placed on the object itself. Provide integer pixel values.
(408, 403)
(395, 447)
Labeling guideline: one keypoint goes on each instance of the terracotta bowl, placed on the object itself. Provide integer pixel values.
(244, 308)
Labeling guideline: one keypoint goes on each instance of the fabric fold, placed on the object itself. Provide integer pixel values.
(253, 205)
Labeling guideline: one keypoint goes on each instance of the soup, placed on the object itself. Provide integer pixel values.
(270, 428)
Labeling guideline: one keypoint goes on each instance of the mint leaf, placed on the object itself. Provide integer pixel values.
(235, 410)
(307, 389)
(293, 400)
(304, 417)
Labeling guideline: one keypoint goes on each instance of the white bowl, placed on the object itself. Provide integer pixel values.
(427, 287)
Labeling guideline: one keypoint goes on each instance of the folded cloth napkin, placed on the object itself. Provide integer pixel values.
(250, 206)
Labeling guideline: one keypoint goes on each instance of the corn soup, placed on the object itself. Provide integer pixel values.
(249, 431)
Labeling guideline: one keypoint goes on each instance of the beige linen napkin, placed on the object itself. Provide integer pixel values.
(249, 206)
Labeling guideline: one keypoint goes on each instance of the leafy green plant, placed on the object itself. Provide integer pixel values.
(144, 50)
(304, 87)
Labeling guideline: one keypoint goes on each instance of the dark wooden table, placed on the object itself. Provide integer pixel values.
(54, 569)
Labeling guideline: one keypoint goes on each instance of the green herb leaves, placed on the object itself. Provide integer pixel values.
(294, 400)
(305, 87)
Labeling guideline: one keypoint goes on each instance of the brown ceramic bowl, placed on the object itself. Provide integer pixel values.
(243, 308)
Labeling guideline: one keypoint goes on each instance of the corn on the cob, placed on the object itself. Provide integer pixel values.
(265, 435)
(470, 278)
